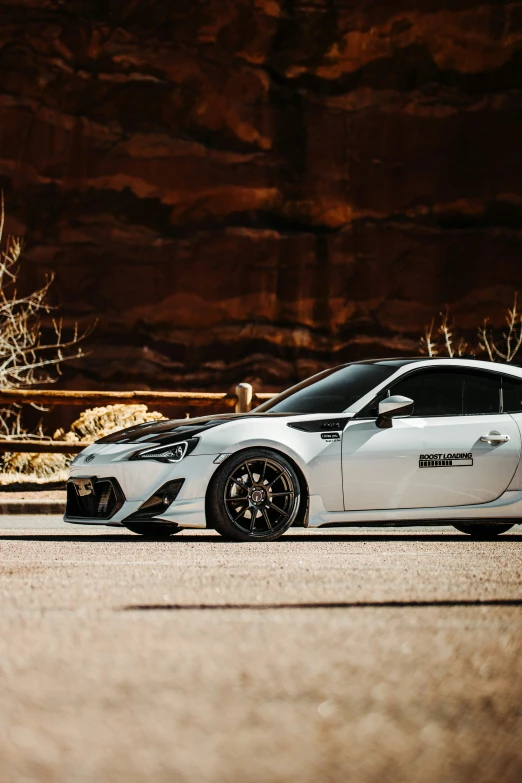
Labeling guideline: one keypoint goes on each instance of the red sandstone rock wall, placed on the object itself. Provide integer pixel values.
(255, 188)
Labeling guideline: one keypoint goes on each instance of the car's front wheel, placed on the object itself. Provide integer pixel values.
(483, 531)
(254, 496)
(153, 530)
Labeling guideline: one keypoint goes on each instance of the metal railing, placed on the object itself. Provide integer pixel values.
(242, 401)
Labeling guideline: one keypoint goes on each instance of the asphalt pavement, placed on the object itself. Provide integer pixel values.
(348, 655)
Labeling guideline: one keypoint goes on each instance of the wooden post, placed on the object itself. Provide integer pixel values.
(244, 397)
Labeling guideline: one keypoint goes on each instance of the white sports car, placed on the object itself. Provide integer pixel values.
(385, 442)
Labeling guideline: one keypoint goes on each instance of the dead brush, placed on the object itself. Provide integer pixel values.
(497, 345)
(27, 356)
(96, 423)
(92, 424)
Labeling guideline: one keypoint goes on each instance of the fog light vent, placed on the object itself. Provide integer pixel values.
(159, 501)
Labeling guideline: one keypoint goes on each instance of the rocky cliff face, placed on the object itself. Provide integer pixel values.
(256, 188)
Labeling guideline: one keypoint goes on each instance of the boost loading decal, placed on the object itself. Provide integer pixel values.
(445, 460)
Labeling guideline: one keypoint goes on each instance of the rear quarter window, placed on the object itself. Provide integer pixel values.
(512, 394)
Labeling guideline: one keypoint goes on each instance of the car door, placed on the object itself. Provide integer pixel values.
(457, 448)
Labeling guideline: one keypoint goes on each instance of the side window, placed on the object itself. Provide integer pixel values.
(481, 393)
(434, 392)
(452, 392)
(512, 395)
(447, 392)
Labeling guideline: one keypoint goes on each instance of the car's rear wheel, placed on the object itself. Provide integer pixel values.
(153, 530)
(483, 531)
(254, 496)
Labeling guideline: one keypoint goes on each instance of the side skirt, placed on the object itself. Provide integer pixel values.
(422, 523)
(506, 508)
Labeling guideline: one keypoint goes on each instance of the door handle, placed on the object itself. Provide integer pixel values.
(494, 437)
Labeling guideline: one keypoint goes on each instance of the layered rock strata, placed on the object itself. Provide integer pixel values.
(254, 189)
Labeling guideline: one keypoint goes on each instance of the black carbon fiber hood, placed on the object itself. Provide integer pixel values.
(158, 431)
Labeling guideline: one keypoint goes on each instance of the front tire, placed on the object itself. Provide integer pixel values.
(254, 496)
(483, 531)
(153, 530)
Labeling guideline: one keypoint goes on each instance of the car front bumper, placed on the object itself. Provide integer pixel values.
(139, 480)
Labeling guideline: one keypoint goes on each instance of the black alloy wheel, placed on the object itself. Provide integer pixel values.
(153, 530)
(254, 496)
(483, 531)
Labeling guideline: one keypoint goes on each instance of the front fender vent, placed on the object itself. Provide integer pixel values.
(320, 425)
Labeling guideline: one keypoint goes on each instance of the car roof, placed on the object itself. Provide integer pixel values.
(455, 361)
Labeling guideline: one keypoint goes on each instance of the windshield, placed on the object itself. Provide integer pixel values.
(331, 391)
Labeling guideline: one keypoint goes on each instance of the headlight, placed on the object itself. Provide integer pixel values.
(168, 452)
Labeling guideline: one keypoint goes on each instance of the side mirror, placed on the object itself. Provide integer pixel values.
(393, 406)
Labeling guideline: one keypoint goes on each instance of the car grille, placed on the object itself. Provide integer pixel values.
(93, 498)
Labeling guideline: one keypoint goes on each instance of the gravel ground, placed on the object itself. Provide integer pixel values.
(361, 655)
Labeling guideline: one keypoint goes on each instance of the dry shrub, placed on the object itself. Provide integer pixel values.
(34, 468)
(92, 424)
(493, 344)
(29, 353)
(95, 423)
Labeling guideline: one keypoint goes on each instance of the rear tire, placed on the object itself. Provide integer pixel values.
(153, 530)
(254, 496)
(483, 531)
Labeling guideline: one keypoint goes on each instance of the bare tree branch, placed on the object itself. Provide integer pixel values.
(26, 358)
(446, 332)
(503, 347)
(428, 345)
